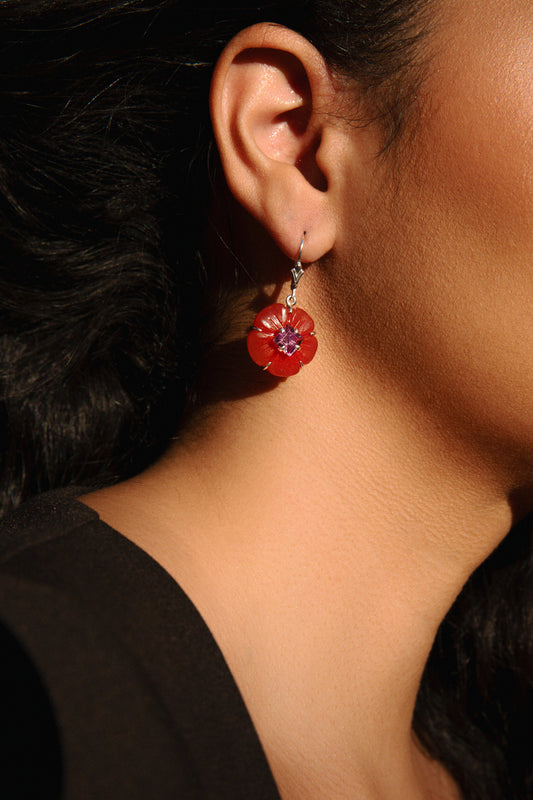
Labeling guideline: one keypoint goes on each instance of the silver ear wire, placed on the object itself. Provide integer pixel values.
(296, 272)
(301, 249)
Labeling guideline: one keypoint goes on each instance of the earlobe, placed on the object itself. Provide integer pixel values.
(267, 93)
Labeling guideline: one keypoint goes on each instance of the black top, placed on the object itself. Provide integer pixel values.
(112, 685)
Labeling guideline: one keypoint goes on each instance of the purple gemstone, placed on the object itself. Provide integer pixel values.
(288, 340)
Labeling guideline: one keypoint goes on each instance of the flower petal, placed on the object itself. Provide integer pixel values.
(283, 366)
(261, 347)
(307, 349)
(301, 321)
(272, 318)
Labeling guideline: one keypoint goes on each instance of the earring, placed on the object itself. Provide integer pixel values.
(282, 338)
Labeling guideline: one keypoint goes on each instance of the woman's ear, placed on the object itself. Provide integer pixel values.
(270, 93)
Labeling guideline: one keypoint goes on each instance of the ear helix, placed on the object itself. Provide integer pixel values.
(282, 338)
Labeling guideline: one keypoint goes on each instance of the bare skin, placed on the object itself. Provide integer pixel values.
(324, 528)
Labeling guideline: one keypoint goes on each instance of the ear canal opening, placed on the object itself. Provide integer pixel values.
(308, 166)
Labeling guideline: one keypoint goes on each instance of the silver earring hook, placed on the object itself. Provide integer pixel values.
(298, 261)
(296, 272)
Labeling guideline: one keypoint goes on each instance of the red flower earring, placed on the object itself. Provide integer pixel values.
(283, 338)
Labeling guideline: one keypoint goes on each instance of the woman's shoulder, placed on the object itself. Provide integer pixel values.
(144, 701)
(43, 518)
(57, 546)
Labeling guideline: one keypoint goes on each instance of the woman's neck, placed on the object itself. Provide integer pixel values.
(323, 536)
